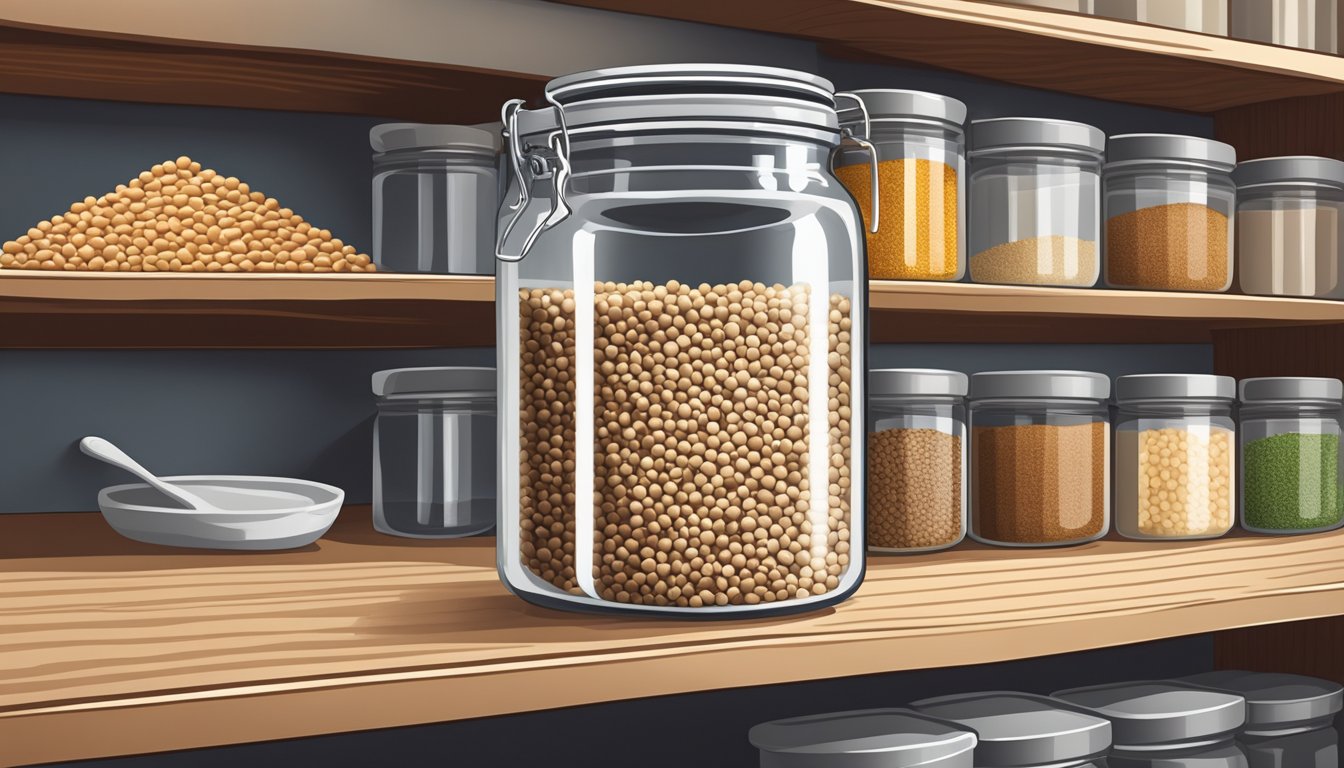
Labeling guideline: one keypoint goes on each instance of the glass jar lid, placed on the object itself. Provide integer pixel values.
(1022, 729)
(894, 105)
(394, 137)
(1277, 702)
(1015, 134)
(914, 382)
(1142, 148)
(1152, 714)
(1174, 386)
(1291, 170)
(1034, 385)
(453, 381)
(893, 738)
(1273, 388)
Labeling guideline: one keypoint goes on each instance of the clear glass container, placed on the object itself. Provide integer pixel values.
(1175, 456)
(1290, 457)
(434, 452)
(1035, 202)
(1289, 213)
(869, 738)
(435, 194)
(1166, 724)
(1169, 205)
(1024, 730)
(1310, 24)
(1040, 457)
(1207, 16)
(681, 340)
(1289, 718)
(916, 459)
(921, 152)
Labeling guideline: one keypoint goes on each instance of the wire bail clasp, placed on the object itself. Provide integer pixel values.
(847, 134)
(530, 165)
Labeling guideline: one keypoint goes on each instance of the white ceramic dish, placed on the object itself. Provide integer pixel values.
(258, 512)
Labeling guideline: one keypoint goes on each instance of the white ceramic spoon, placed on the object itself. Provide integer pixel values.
(103, 450)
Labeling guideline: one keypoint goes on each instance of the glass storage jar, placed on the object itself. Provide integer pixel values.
(921, 152)
(1310, 24)
(1289, 212)
(1159, 724)
(1175, 450)
(681, 328)
(435, 194)
(1289, 718)
(1207, 16)
(1024, 730)
(1169, 204)
(1290, 457)
(1040, 457)
(916, 459)
(869, 738)
(1035, 201)
(434, 452)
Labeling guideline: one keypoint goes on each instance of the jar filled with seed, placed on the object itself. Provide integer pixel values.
(1175, 456)
(1291, 464)
(681, 344)
(916, 459)
(1169, 205)
(1040, 457)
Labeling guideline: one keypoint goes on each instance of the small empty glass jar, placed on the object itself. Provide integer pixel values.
(869, 738)
(1289, 718)
(1289, 212)
(1024, 730)
(1175, 456)
(434, 459)
(916, 459)
(1290, 457)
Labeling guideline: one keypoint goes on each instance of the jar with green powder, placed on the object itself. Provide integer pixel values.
(1290, 457)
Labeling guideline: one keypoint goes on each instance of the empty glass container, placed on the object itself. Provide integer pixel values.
(1289, 212)
(434, 453)
(1289, 718)
(870, 738)
(1290, 457)
(1023, 730)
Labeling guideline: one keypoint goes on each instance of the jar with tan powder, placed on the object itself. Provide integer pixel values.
(1175, 456)
(1169, 205)
(1040, 457)
(1289, 213)
(921, 151)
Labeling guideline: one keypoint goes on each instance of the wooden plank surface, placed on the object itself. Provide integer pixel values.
(1092, 56)
(136, 648)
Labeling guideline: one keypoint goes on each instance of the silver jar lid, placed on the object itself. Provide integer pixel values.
(392, 137)
(1007, 134)
(1032, 385)
(894, 105)
(1295, 169)
(453, 381)
(1138, 148)
(890, 738)
(1277, 702)
(1272, 388)
(1021, 729)
(1174, 386)
(1152, 713)
(913, 382)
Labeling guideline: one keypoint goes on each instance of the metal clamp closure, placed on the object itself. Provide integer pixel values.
(847, 134)
(531, 164)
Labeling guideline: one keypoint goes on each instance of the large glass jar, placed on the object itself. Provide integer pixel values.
(921, 152)
(1035, 201)
(1040, 457)
(1169, 204)
(435, 194)
(1290, 457)
(1289, 718)
(916, 459)
(1175, 450)
(681, 328)
(1289, 214)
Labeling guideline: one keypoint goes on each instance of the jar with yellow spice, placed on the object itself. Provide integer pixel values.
(921, 153)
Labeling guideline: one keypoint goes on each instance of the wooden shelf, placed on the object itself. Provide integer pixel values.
(1087, 55)
(137, 648)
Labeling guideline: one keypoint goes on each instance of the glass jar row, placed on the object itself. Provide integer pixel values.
(1035, 466)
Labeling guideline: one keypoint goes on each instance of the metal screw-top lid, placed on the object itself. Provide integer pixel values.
(1005, 134)
(912, 382)
(1021, 729)
(1174, 386)
(1169, 147)
(870, 738)
(1277, 702)
(890, 104)
(1290, 388)
(391, 137)
(1296, 169)
(1152, 713)
(438, 382)
(1032, 385)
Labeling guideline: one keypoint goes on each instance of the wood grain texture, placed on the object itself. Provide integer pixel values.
(1098, 57)
(1298, 648)
(85, 65)
(1293, 126)
(137, 648)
